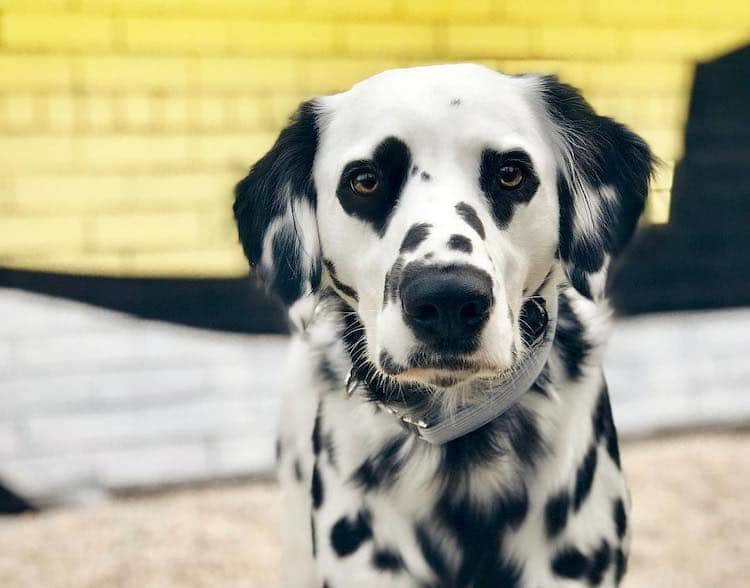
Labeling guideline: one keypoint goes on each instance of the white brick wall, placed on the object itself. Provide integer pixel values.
(92, 400)
(680, 369)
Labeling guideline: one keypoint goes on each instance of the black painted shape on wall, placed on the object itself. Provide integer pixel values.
(701, 259)
(11, 503)
(236, 305)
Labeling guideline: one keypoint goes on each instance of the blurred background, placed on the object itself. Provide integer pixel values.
(136, 357)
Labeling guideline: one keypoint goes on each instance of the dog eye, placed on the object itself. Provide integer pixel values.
(365, 183)
(511, 176)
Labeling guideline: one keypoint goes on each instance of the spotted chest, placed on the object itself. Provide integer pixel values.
(535, 498)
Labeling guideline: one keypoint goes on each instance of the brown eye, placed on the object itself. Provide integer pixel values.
(365, 183)
(511, 176)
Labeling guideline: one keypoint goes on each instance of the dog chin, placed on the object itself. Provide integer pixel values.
(443, 378)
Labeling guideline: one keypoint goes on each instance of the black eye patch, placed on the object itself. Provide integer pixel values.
(390, 164)
(503, 197)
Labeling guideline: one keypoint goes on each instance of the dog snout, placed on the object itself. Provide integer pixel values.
(447, 307)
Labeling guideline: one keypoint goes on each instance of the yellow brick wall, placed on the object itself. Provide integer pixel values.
(123, 124)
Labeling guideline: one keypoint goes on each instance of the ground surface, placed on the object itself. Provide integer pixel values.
(691, 522)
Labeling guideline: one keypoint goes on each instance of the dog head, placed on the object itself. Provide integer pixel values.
(436, 201)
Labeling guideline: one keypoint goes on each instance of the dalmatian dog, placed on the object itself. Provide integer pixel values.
(442, 236)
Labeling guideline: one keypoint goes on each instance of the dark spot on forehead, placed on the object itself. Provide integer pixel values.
(414, 170)
(469, 214)
(456, 102)
(415, 236)
(460, 243)
(425, 176)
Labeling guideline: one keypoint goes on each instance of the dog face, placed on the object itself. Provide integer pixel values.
(436, 201)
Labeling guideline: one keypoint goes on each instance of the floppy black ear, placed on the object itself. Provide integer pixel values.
(274, 208)
(603, 177)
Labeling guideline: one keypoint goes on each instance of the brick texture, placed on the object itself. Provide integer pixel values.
(97, 89)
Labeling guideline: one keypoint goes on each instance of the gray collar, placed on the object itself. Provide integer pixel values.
(438, 428)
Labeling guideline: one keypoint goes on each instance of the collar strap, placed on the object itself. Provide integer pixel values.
(437, 428)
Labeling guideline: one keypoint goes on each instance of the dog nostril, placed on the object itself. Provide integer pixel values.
(426, 313)
(473, 313)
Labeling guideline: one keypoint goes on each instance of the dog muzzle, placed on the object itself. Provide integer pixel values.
(540, 322)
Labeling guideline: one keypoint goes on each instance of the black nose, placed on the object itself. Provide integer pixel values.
(446, 307)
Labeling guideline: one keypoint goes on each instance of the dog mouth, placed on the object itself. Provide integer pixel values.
(437, 369)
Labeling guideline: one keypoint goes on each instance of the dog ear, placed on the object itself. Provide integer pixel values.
(274, 208)
(603, 178)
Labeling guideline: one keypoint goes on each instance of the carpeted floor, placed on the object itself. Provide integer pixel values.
(691, 522)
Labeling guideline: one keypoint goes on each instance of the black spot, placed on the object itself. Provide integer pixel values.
(330, 448)
(297, 470)
(392, 280)
(327, 372)
(278, 449)
(390, 163)
(585, 477)
(267, 192)
(382, 468)
(613, 448)
(604, 426)
(523, 435)
(316, 488)
(326, 584)
(503, 200)
(556, 513)
(387, 560)
(483, 563)
(516, 508)
(460, 243)
(469, 214)
(621, 565)
(414, 170)
(313, 538)
(620, 517)
(431, 552)
(316, 432)
(600, 560)
(414, 237)
(348, 535)
(340, 286)
(425, 176)
(570, 339)
(514, 431)
(455, 102)
(569, 563)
